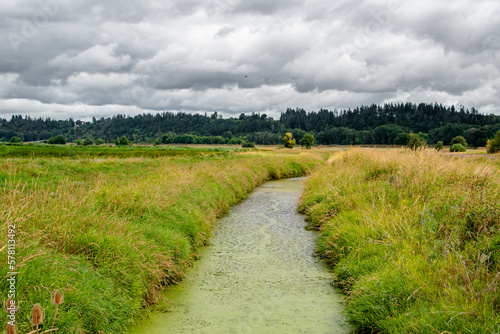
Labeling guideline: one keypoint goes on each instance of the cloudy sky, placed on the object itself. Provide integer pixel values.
(68, 58)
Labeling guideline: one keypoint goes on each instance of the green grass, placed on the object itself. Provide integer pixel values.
(413, 238)
(111, 232)
(64, 151)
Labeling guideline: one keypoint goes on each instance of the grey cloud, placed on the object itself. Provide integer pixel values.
(266, 7)
(225, 31)
(241, 56)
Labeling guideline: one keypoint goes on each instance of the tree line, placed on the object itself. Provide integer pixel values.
(389, 124)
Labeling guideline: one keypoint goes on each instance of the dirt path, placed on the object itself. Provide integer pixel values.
(258, 276)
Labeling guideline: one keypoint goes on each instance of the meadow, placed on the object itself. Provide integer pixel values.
(110, 229)
(413, 239)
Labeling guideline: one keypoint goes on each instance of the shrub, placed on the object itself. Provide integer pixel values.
(307, 141)
(402, 139)
(246, 143)
(123, 141)
(416, 142)
(457, 148)
(459, 140)
(88, 142)
(493, 146)
(79, 142)
(57, 140)
(15, 139)
(439, 146)
(288, 140)
(99, 141)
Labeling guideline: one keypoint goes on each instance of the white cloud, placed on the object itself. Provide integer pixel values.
(95, 59)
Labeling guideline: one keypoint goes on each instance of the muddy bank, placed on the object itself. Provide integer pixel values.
(258, 276)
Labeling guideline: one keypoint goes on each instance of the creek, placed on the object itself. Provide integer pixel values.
(258, 275)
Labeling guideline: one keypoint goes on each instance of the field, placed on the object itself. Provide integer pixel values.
(110, 229)
(413, 238)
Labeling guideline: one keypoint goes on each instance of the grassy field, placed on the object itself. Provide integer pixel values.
(414, 239)
(110, 230)
(72, 151)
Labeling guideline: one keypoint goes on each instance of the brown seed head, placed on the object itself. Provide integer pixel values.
(10, 305)
(58, 298)
(11, 329)
(37, 315)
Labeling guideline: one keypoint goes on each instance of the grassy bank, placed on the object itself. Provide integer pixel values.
(111, 232)
(414, 239)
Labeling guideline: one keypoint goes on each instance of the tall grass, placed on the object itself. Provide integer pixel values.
(109, 233)
(414, 239)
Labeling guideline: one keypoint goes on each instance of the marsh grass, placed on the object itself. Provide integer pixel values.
(73, 151)
(413, 237)
(111, 232)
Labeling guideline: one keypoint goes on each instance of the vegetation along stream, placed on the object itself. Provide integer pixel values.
(258, 276)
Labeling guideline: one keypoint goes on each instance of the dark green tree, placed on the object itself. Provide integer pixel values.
(122, 141)
(57, 140)
(416, 142)
(15, 139)
(402, 139)
(307, 141)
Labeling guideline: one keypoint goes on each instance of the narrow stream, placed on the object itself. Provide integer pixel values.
(258, 276)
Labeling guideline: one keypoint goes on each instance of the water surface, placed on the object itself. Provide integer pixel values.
(258, 276)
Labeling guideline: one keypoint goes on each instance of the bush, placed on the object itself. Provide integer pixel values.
(459, 140)
(402, 139)
(416, 142)
(307, 141)
(88, 142)
(457, 148)
(99, 141)
(123, 141)
(57, 140)
(288, 140)
(246, 143)
(438, 146)
(493, 146)
(15, 139)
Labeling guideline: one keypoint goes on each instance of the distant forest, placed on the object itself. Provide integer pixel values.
(388, 124)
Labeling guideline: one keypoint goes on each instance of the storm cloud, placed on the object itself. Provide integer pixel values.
(88, 58)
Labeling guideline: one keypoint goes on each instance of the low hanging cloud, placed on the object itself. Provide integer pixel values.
(63, 58)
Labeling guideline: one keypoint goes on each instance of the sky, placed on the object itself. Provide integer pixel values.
(89, 58)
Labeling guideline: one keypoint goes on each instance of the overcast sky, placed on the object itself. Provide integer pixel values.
(68, 58)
